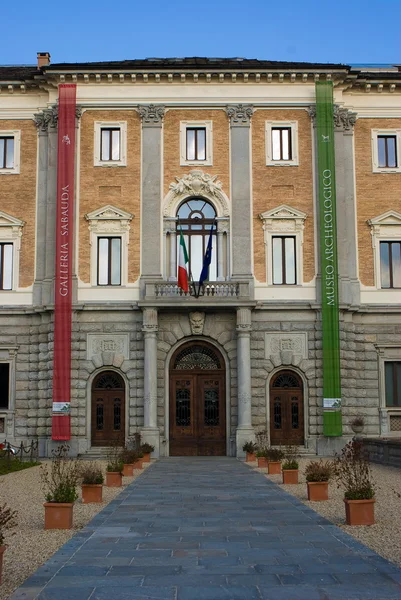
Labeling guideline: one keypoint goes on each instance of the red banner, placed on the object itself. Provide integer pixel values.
(61, 429)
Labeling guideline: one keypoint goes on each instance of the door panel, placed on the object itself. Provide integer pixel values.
(108, 410)
(197, 414)
(286, 415)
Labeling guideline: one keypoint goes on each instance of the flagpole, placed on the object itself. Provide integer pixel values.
(190, 271)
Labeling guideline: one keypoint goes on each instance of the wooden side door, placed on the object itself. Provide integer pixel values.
(211, 415)
(287, 412)
(183, 431)
(108, 410)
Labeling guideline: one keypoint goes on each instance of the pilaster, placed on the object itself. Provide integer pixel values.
(245, 430)
(241, 221)
(150, 431)
(152, 121)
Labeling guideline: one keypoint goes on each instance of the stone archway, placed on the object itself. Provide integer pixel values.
(197, 401)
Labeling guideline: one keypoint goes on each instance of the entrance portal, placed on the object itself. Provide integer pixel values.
(286, 409)
(197, 401)
(108, 409)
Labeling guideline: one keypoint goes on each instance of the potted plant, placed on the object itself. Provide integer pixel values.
(138, 460)
(261, 458)
(128, 457)
(59, 481)
(352, 471)
(92, 483)
(357, 424)
(274, 457)
(290, 465)
(318, 475)
(250, 448)
(7, 521)
(147, 450)
(262, 444)
(114, 467)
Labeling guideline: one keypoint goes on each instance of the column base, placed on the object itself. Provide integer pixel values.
(243, 435)
(151, 435)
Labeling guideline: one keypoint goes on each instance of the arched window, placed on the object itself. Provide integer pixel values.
(196, 218)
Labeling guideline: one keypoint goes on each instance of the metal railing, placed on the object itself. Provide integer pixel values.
(28, 452)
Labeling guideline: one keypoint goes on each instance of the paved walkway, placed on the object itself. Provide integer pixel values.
(211, 529)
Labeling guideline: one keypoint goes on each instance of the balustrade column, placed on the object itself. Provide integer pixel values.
(244, 430)
(150, 431)
(173, 254)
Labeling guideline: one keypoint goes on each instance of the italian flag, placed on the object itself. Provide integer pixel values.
(182, 265)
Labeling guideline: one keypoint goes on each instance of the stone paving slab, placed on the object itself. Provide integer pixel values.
(210, 529)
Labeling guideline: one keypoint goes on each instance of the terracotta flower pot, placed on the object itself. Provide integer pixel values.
(58, 515)
(146, 457)
(2, 550)
(360, 512)
(290, 476)
(128, 470)
(114, 479)
(250, 457)
(318, 490)
(274, 467)
(92, 493)
(138, 463)
(262, 462)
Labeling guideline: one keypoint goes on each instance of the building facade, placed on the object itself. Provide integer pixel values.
(200, 147)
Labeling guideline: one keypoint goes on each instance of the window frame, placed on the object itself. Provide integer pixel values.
(283, 258)
(387, 353)
(391, 269)
(384, 228)
(397, 392)
(375, 135)
(109, 260)
(16, 134)
(208, 127)
(293, 127)
(110, 125)
(2, 244)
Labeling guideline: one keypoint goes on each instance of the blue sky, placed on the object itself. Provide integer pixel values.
(314, 31)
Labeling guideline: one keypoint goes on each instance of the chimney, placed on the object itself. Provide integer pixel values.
(43, 59)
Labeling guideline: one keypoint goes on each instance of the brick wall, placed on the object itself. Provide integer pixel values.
(273, 186)
(376, 193)
(18, 196)
(119, 186)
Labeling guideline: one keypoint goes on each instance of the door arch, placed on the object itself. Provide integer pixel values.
(197, 401)
(286, 409)
(108, 409)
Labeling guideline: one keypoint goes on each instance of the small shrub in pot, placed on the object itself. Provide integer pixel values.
(146, 450)
(92, 483)
(59, 482)
(290, 464)
(318, 475)
(250, 448)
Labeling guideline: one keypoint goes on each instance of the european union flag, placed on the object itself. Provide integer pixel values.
(204, 276)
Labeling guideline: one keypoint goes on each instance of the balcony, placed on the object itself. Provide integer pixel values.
(219, 293)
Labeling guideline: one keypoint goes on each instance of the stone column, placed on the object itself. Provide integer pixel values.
(222, 228)
(41, 217)
(245, 430)
(170, 230)
(150, 431)
(241, 220)
(152, 119)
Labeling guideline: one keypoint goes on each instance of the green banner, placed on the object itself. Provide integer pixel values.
(332, 422)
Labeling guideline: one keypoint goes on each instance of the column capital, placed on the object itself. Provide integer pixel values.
(170, 225)
(223, 225)
(344, 119)
(150, 323)
(244, 320)
(47, 119)
(240, 114)
(151, 114)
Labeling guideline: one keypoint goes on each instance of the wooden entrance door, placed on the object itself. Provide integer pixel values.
(286, 409)
(108, 409)
(197, 402)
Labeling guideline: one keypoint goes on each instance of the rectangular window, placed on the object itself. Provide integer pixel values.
(6, 152)
(110, 143)
(4, 385)
(109, 261)
(281, 143)
(6, 266)
(284, 261)
(390, 265)
(196, 143)
(392, 373)
(387, 151)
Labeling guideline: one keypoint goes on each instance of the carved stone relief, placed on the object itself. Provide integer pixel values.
(294, 343)
(197, 322)
(103, 342)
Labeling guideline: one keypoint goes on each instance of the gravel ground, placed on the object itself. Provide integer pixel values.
(29, 545)
(385, 536)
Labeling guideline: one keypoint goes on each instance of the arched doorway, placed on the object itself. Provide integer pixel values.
(286, 409)
(197, 401)
(108, 409)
